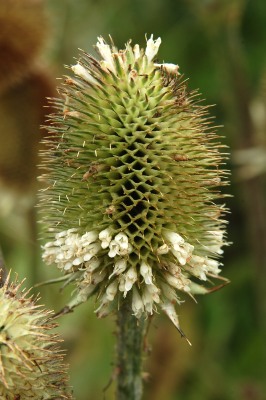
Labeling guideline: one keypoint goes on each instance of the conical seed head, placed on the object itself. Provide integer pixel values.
(135, 164)
(31, 362)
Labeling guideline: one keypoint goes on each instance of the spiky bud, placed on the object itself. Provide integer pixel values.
(133, 175)
(31, 362)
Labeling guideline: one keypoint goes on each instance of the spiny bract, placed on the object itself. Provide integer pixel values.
(30, 360)
(133, 173)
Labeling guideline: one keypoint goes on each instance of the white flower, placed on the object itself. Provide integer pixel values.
(213, 266)
(122, 281)
(200, 266)
(60, 235)
(119, 267)
(88, 237)
(197, 267)
(106, 53)
(105, 237)
(67, 266)
(78, 261)
(114, 249)
(122, 240)
(152, 48)
(137, 304)
(130, 277)
(179, 282)
(169, 292)
(136, 51)
(104, 309)
(92, 264)
(216, 242)
(111, 290)
(150, 295)
(97, 277)
(147, 301)
(170, 68)
(174, 269)
(69, 241)
(91, 251)
(163, 249)
(119, 246)
(127, 280)
(180, 249)
(146, 272)
(125, 251)
(70, 250)
(83, 73)
(174, 238)
(154, 292)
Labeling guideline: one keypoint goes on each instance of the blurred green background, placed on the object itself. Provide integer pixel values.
(220, 45)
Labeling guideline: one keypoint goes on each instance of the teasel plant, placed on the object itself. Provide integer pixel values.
(31, 360)
(133, 208)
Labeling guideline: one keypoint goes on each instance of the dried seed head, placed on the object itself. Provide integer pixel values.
(148, 223)
(31, 362)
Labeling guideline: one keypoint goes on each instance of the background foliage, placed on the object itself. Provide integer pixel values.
(220, 46)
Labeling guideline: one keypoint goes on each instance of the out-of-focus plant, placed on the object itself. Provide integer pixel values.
(31, 360)
(24, 84)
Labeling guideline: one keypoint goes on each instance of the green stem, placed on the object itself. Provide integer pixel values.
(129, 354)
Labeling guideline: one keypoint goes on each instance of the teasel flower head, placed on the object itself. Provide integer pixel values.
(133, 207)
(31, 362)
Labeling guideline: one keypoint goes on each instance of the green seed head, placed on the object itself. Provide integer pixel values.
(133, 173)
(30, 361)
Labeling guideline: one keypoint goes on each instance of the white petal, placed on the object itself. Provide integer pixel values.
(180, 282)
(122, 282)
(146, 272)
(105, 236)
(77, 261)
(67, 266)
(61, 234)
(130, 278)
(152, 47)
(104, 309)
(136, 51)
(174, 238)
(114, 249)
(93, 264)
(111, 290)
(170, 68)
(137, 304)
(80, 71)
(105, 52)
(163, 249)
(169, 292)
(98, 277)
(147, 301)
(89, 237)
(155, 292)
(122, 240)
(119, 267)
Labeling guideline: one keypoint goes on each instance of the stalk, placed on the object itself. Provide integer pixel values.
(129, 354)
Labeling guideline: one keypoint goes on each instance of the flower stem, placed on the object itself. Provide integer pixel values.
(129, 354)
